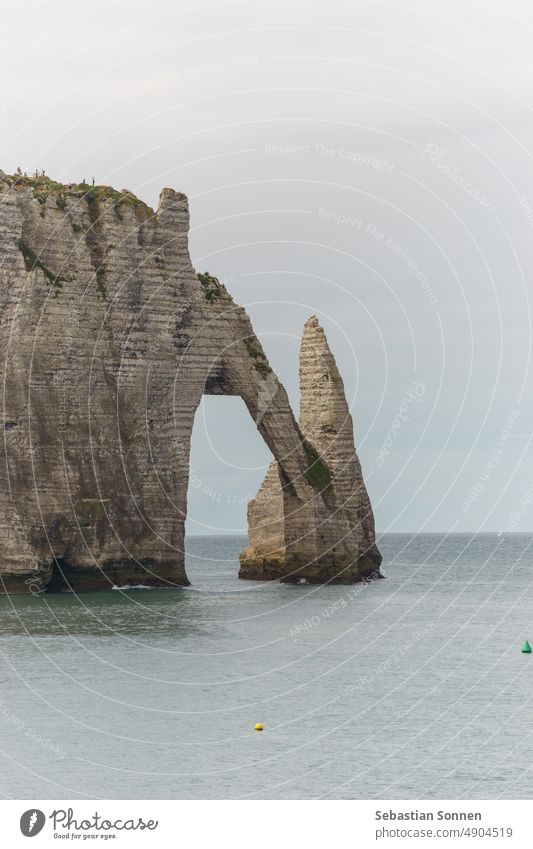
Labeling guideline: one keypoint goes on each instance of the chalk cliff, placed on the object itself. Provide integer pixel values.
(108, 340)
(348, 522)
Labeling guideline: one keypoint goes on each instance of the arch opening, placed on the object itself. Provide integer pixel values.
(228, 461)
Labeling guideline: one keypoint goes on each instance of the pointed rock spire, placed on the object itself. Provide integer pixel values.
(345, 548)
(326, 422)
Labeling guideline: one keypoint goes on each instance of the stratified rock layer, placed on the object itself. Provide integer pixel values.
(108, 340)
(327, 430)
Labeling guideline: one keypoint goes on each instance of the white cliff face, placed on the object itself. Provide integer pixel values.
(108, 339)
(346, 520)
(326, 422)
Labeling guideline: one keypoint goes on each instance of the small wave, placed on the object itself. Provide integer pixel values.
(132, 587)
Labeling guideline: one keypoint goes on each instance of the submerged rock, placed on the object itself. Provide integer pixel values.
(108, 341)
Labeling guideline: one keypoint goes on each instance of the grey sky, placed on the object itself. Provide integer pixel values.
(281, 121)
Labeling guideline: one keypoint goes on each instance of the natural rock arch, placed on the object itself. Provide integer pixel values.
(108, 340)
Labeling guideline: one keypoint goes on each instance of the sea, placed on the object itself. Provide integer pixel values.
(412, 687)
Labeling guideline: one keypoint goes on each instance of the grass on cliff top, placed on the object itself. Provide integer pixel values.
(44, 187)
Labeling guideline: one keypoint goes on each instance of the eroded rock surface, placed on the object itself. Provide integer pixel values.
(108, 339)
(347, 523)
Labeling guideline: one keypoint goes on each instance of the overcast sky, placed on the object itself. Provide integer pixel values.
(370, 162)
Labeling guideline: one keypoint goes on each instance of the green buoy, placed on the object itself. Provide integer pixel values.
(526, 648)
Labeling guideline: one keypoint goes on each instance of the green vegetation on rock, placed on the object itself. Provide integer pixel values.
(32, 261)
(260, 361)
(212, 287)
(101, 283)
(43, 188)
(318, 473)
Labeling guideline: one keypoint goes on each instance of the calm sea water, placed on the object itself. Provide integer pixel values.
(412, 687)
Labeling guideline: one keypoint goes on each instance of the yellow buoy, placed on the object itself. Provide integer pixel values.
(258, 727)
